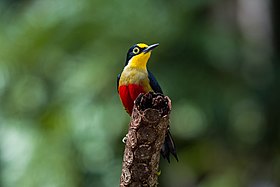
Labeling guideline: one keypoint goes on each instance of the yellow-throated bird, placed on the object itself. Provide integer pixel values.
(135, 79)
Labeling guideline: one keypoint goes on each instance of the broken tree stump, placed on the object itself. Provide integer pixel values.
(147, 129)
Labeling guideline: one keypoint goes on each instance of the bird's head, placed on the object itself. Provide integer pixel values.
(139, 54)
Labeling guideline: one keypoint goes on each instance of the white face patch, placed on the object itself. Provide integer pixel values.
(129, 62)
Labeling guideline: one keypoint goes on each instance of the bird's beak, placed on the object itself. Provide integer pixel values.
(150, 47)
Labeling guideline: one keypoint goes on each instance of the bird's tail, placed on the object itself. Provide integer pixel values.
(168, 147)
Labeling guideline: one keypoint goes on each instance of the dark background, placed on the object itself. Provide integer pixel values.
(61, 120)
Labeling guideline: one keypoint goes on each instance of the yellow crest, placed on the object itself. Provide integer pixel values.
(142, 45)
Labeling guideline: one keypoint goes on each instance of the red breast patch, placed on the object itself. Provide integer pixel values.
(128, 94)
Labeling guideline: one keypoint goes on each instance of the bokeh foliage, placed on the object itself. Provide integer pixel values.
(61, 121)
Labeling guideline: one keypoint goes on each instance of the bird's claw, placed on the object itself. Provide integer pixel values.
(158, 173)
(124, 139)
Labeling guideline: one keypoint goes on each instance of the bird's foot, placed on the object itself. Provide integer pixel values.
(158, 173)
(124, 139)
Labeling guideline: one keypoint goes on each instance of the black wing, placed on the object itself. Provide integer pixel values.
(154, 84)
(118, 80)
(168, 147)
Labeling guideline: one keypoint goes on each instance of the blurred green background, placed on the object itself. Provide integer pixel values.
(61, 120)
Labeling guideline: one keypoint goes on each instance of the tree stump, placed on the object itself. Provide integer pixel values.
(147, 129)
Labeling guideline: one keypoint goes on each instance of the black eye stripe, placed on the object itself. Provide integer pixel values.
(136, 50)
(133, 47)
(141, 49)
(130, 53)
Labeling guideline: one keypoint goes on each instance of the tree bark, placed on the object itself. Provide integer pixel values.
(146, 134)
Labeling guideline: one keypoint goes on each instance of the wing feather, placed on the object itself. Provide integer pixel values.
(118, 81)
(154, 84)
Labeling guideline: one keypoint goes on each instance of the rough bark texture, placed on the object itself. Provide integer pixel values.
(146, 134)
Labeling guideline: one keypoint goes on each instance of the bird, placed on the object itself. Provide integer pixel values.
(135, 79)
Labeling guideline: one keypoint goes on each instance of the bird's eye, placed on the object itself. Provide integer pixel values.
(136, 50)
